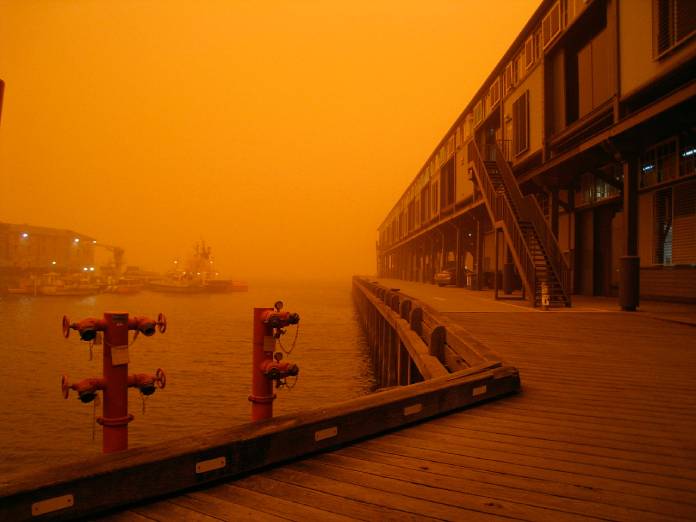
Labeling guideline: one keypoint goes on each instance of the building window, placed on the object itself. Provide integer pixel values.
(659, 163)
(494, 92)
(529, 52)
(507, 78)
(551, 24)
(687, 156)
(447, 180)
(520, 124)
(684, 224)
(478, 113)
(675, 21)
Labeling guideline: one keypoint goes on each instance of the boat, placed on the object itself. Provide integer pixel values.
(125, 286)
(198, 277)
(53, 285)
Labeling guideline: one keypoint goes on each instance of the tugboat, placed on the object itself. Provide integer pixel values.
(199, 277)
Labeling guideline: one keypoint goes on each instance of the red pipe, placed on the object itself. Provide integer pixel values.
(262, 395)
(116, 417)
(116, 381)
(265, 369)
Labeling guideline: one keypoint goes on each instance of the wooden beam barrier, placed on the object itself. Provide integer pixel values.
(428, 366)
(100, 483)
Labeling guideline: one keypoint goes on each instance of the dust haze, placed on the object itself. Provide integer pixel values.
(281, 133)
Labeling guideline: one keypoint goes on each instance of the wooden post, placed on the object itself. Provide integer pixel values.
(495, 274)
(405, 309)
(554, 211)
(629, 282)
(479, 255)
(416, 320)
(437, 342)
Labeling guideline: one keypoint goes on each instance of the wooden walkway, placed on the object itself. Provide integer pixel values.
(605, 428)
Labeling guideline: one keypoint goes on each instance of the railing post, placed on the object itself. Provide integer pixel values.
(437, 342)
(405, 309)
(416, 320)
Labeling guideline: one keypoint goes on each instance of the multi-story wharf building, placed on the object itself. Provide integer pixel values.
(572, 169)
(33, 249)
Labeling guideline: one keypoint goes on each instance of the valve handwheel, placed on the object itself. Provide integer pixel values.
(64, 386)
(66, 326)
(161, 323)
(160, 378)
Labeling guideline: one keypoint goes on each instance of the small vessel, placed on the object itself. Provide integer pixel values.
(199, 277)
(125, 286)
(53, 285)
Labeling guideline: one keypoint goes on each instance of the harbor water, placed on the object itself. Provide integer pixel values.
(206, 354)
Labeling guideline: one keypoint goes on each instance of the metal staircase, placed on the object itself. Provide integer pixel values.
(535, 251)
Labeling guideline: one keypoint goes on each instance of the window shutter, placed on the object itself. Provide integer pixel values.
(684, 234)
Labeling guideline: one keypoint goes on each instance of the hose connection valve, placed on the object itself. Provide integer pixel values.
(115, 382)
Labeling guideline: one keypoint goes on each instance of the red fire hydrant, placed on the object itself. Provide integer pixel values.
(116, 381)
(268, 366)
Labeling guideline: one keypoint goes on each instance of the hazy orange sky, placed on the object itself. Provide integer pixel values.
(280, 132)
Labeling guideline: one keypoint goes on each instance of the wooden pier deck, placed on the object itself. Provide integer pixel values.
(604, 428)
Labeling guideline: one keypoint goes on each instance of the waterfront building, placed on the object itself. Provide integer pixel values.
(28, 248)
(572, 169)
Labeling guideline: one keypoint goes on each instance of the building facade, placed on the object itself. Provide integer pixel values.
(32, 249)
(572, 170)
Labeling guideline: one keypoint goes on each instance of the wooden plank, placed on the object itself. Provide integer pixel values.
(524, 471)
(272, 503)
(444, 493)
(222, 509)
(341, 505)
(167, 467)
(166, 511)
(522, 503)
(616, 505)
(392, 499)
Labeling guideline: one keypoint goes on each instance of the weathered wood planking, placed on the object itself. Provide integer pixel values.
(111, 480)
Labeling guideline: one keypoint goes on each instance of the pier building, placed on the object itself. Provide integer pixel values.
(41, 249)
(571, 170)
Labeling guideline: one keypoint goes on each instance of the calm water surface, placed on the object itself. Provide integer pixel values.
(206, 354)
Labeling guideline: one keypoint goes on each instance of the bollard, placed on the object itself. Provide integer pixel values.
(268, 366)
(115, 381)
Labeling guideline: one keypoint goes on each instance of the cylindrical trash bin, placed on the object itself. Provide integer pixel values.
(629, 283)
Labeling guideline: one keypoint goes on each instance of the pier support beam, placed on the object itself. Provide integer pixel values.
(629, 282)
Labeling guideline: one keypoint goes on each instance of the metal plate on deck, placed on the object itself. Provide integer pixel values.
(413, 409)
(205, 466)
(479, 390)
(52, 504)
(326, 433)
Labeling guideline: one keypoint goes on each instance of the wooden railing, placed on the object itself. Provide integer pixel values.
(500, 209)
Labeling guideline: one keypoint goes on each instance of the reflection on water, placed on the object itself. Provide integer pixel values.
(206, 353)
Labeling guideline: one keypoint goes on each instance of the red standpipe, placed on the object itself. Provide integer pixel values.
(116, 381)
(266, 370)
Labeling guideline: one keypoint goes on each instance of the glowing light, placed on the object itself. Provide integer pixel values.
(688, 153)
(84, 269)
(91, 269)
(94, 241)
(53, 262)
(76, 240)
(25, 235)
(648, 168)
(176, 262)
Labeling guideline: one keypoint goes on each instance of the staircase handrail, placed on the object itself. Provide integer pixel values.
(500, 209)
(529, 210)
(549, 243)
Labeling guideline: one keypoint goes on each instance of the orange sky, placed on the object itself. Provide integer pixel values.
(280, 132)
